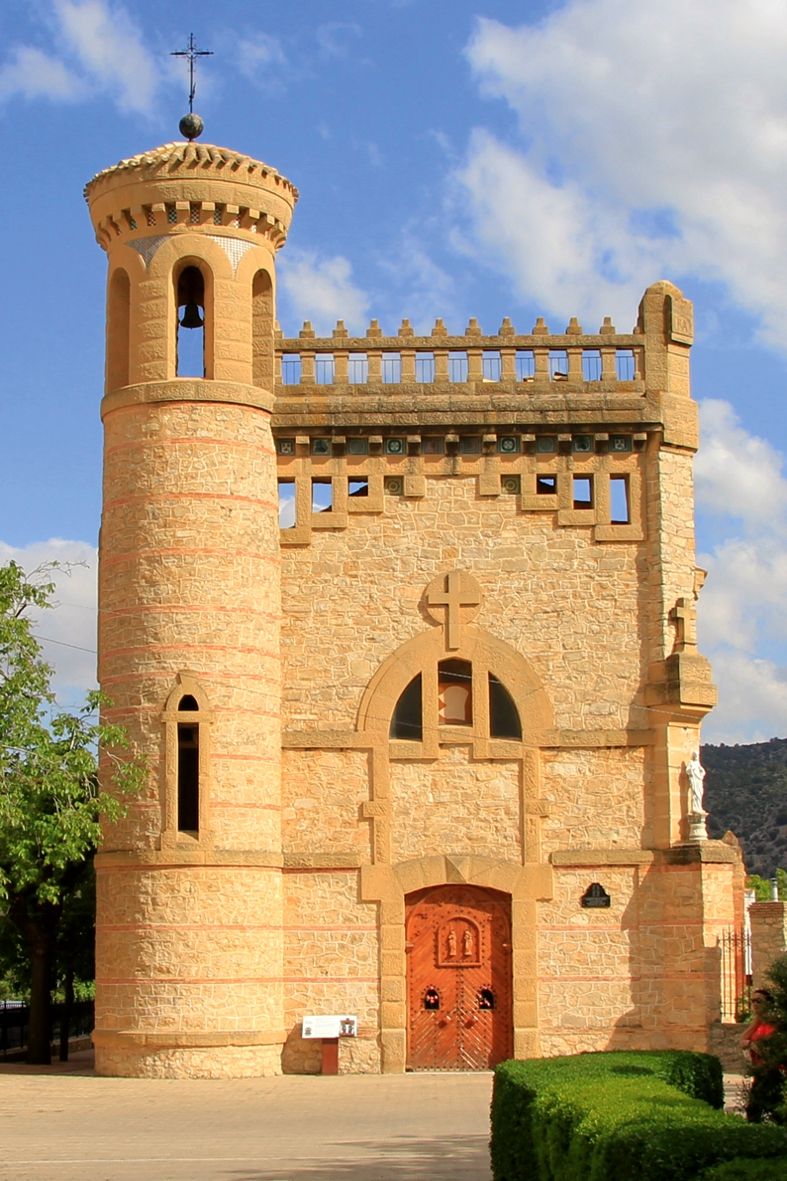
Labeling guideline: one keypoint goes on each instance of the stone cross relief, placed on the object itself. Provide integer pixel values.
(684, 616)
(453, 599)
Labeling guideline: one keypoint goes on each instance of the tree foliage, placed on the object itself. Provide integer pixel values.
(51, 802)
(774, 1048)
(763, 888)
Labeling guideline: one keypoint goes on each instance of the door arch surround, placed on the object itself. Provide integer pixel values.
(390, 885)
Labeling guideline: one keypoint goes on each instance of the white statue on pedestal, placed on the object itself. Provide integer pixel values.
(696, 776)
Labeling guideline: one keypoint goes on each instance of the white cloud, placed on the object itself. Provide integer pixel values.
(752, 700)
(738, 474)
(416, 285)
(67, 632)
(574, 252)
(96, 48)
(658, 133)
(260, 58)
(109, 48)
(741, 611)
(321, 289)
(33, 74)
(743, 602)
(337, 38)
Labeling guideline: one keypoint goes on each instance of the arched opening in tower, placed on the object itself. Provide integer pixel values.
(190, 348)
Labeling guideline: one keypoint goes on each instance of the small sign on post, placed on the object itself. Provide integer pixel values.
(330, 1025)
(329, 1028)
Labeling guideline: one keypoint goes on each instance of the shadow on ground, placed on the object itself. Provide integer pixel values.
(460, 1158)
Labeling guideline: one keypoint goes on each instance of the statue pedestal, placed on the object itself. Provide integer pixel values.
(697, 830)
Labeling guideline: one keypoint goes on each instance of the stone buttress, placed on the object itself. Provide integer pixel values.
(189, 923)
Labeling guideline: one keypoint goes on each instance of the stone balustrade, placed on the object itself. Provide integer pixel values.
(604, 361)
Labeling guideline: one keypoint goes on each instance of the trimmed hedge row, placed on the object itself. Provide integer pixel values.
(743, 1169)
(650, 1115)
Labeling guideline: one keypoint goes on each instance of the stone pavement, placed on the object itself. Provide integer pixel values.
(64, 1124)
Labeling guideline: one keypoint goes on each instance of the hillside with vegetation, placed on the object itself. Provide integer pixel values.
(746, 791)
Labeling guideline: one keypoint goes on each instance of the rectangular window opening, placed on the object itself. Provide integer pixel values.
(291, 368)
(492, 365)
(391, 368)
(188, 778)
(424, 366)
(286, 504)
(546, 485)
(322, 496)
(619, 503)
(323, 368)
(457, 366)
(358, 368)
(558, 365)
(525, 365)
(625, 366)
(358, 486)
(583, 491)
(591, 365)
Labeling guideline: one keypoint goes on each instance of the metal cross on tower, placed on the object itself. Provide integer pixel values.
(192, 53)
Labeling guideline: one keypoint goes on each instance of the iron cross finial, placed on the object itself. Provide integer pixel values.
(192, 53)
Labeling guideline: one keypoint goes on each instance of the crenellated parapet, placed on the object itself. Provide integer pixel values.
(193, 186)
(596, 382)
(601, 359)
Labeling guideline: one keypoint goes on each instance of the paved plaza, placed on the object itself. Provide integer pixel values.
(64, 1124)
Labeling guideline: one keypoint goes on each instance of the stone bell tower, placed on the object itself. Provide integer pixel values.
(189, 926)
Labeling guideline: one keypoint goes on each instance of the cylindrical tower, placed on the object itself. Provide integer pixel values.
(189, 923)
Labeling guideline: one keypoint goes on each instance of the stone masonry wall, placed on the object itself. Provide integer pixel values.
(569, 605)
(331, 962)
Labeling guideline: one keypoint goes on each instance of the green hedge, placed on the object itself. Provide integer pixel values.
(742, 1169)
(651, 1115)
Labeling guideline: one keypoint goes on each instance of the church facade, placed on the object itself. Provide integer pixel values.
(404, 627)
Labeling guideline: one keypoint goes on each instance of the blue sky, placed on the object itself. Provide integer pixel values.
(455, 159)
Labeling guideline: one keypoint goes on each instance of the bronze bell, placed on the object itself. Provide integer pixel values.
(191, 316)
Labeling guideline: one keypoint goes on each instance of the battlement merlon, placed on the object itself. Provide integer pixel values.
(640, 379)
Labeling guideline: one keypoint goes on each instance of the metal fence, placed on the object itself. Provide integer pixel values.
(735, 972)
(15, 1022)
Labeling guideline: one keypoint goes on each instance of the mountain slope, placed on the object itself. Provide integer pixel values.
(746, 791)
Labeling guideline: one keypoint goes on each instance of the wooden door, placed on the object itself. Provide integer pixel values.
(458, 978)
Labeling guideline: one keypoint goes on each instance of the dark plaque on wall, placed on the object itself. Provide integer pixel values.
(595, 896)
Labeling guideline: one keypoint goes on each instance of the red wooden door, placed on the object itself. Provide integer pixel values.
(458, 978)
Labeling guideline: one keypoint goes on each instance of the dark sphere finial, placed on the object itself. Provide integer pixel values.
(191, 126)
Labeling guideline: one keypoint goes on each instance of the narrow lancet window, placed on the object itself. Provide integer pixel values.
(118, 330)
(186, 796)
(188, 769)
(262, 330)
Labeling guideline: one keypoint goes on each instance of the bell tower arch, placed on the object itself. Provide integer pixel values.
(189, 920)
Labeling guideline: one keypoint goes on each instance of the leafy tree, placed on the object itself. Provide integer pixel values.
(51, 803)
(774, 1048)
(762, 886)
